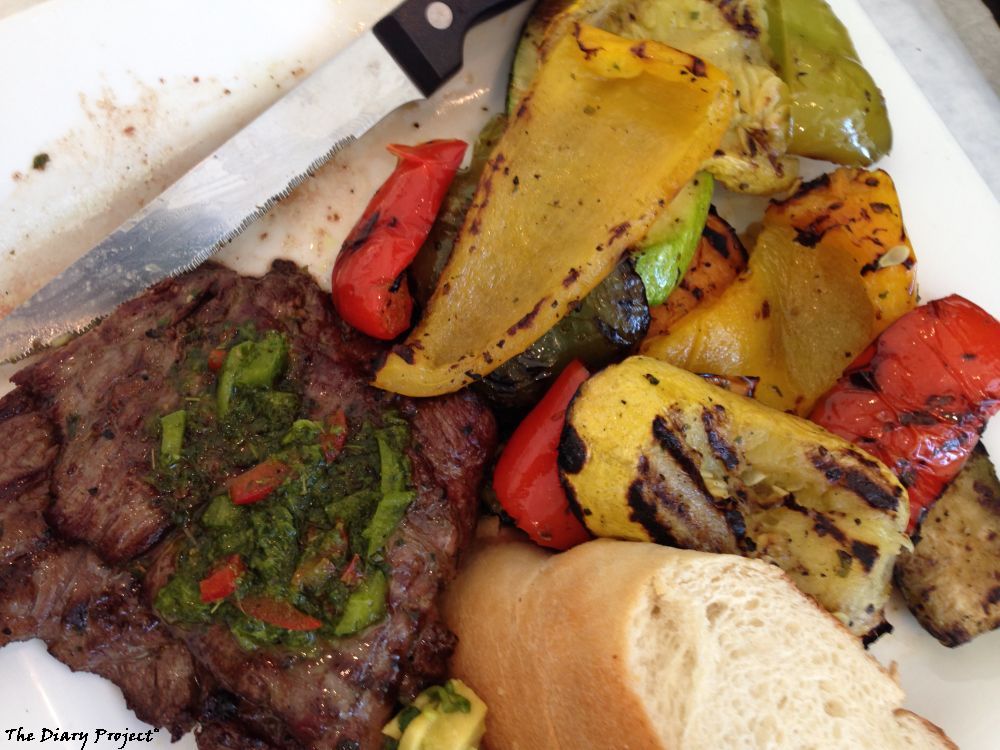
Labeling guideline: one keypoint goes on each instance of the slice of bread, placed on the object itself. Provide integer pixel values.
(629, 645)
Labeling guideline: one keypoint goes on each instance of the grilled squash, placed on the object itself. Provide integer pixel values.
(653, 453)
(951, 580)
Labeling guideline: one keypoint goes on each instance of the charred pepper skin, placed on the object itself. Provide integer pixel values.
(370, 289)
(536, 239)
(920, 396)
(603, 327)
(526, 479)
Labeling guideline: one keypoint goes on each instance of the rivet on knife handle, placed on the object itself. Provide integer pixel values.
(426, 37)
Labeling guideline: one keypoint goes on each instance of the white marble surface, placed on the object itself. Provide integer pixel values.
(951, 49)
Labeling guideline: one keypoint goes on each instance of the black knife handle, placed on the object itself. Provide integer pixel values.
(426, 37)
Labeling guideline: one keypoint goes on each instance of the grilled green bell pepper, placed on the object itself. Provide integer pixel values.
(365, 605)
(251, 364)
(838, 113)
(673, 239)
(610, 320)
(172, 435)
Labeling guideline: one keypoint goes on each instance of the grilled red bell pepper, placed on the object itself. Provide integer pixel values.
(216, 359)
(257, 483)
(370, 290)
(352, 573)
(526, 479)
(333, 438)
(919, 397)
(279, 613)
(222, 581)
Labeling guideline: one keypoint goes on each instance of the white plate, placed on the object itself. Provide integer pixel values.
(87, 72)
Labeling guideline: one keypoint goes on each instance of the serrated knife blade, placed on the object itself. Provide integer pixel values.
(405, 57)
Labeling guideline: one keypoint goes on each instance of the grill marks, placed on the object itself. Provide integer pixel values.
(645, 498)
(953, 587)
(865, 553)
(841, 470)
(672, 441)
(28, 451)
(90, 616)
(528, 318)
(572, 452)
(721, 449)
(671, 499)
(825, 525)
(740, 16)
(674, 515)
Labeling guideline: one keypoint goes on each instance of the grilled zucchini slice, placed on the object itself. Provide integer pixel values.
(951, 580)
(651, 452)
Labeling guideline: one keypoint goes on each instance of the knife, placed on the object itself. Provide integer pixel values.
(406, 56)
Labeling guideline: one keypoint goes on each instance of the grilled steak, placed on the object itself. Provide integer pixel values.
(102, 389)
(92, 409)
(90, 616)
(345, 694)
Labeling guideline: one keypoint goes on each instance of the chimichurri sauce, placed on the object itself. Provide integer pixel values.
(287, 517)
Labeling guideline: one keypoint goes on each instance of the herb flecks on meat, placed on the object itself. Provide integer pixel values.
(86, 441)
(301, 551)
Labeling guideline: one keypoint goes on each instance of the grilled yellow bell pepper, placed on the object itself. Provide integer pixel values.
(608, 134)
(831, 269)
(751, 157)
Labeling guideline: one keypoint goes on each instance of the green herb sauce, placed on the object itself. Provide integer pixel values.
(317, 542)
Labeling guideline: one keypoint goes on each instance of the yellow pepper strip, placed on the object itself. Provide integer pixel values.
(857, 211)
(831, 269)
(608, 134)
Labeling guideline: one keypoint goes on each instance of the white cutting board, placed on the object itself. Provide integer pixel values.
(124, 95)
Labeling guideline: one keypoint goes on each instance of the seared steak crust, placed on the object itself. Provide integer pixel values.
(104, 388)
(89, 615)
(91, 618)
(229, 735)
(89, 406)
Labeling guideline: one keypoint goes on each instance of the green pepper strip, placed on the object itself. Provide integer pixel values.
(395, 497)
(251, 365)
(671, 243)
(172, 435)
(365, 605)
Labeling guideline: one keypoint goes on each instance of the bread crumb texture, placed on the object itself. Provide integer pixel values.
(629, 646)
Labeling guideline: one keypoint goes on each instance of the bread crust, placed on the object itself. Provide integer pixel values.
(549, 625)
(552, 643)
(926, 731)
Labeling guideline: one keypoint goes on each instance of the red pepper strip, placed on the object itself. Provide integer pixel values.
(279, 613)
(919, 397)
(352, 574)
(369, 289)
(332, 439)
(216, 359)
(257, 483)
(526, 479)
(221, 582)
